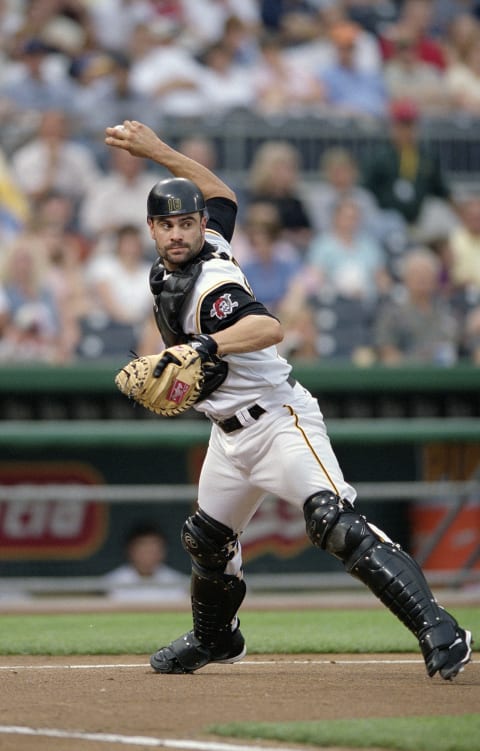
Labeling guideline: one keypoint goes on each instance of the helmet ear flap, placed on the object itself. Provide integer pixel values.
(175, 196)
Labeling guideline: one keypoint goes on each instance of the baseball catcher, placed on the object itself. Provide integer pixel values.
(268, 434)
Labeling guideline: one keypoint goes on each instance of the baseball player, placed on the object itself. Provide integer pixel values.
(268, 435)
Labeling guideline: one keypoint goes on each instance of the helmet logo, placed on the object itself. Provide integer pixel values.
(174, 204)
(223, 306)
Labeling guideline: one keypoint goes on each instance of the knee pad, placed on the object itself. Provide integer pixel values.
(209, 543)
(333, 525)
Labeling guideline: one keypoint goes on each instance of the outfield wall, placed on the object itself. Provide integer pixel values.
(143, 460)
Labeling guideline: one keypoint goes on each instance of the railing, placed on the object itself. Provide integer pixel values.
(28, 434)
(453, 497)
(237, 136)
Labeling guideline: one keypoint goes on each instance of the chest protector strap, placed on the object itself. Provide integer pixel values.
(171, 291)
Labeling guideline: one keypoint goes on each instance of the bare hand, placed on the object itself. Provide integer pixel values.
(132, 136)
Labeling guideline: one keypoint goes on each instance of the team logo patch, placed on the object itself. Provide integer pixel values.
(223, 306)
(178, 391)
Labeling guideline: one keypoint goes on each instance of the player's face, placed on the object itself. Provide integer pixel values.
(178, 239)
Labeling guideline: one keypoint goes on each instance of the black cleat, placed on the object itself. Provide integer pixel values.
(457, 655)
(451, 660)
(186, 654)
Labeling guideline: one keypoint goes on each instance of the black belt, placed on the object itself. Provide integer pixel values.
(233, 423)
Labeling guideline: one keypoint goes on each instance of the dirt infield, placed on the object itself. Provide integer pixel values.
(121, 696)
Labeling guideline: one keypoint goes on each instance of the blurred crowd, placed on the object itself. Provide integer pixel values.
(375, 259)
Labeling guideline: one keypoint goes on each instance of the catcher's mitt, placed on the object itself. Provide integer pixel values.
(175, 388)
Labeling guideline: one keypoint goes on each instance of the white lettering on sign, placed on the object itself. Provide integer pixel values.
(23, 520)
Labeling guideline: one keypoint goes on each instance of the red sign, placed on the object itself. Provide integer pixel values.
(277, 527)
(53, 528)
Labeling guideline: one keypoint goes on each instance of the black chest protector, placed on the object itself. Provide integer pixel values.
(171, 292)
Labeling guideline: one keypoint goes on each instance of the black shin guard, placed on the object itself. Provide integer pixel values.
(397, 580)
(389, 572)
(216, 599)
(216, 596)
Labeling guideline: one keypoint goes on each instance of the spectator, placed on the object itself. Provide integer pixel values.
(104, 95)
(29, 317)
(115, 199)
(268, 271)
(301, 339)
(319, 52)
(465, 245)
(66, 252)
(339, 178)
(406, 177)
(53, 161)
(208, 22)
(14, 206)
(258, 214)
(367, 54)
(417, 16)
(114, 21)
(145, 577)
(462, 81)
(241, 39)
(38, 80)
(118, 284)
(447, 12)
(40, 16)
(416, 325)
(294, 20)
(347, 260)
(68, 32)
(351, 91)
(55, 220)
(274, 176)
(10, 23)
(407, 76)
(165, 72)
(200, 148)
(345, 276)
(225, 85)
(460, 32)
(282, 86)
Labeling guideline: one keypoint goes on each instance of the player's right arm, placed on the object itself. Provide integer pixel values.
(142, 141)
(249, 334)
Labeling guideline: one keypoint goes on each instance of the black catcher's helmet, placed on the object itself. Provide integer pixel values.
(174, 196)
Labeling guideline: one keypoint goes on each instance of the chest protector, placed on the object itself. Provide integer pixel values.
(171, 292)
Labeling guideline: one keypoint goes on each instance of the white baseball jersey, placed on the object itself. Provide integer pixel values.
(286, 451)
(251, 376)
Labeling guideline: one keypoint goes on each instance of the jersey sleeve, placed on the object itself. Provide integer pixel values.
(222, 214)
(227, 304)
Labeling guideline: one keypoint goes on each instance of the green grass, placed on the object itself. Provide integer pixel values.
(266, 632)
(455, 733)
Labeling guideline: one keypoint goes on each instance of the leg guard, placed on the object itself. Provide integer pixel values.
(216, 597)
(390, 573)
